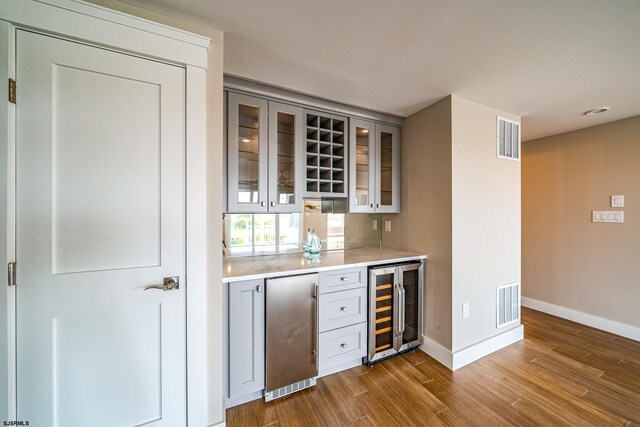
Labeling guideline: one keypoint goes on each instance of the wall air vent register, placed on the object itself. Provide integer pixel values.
(508, 137)
(508, 304)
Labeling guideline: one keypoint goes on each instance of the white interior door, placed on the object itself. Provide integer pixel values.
(100, 216)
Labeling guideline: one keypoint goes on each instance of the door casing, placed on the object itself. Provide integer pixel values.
(95, 25)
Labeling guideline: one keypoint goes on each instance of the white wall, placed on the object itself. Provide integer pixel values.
(486, 221)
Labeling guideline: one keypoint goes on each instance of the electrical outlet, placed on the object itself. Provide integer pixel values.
(375, 225)
(465, 310)
(387, 225)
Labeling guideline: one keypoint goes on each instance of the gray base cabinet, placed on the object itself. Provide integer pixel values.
(246, 337)
(342, 307)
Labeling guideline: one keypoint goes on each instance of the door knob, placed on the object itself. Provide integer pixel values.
(170, 283)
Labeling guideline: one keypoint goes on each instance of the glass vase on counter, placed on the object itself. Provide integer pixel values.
(312, 245)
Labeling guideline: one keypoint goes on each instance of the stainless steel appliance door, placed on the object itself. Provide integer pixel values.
(410, 282)
(382, 312)
(291, 330)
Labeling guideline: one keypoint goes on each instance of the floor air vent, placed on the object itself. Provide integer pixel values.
(508, 304)
(288, 389)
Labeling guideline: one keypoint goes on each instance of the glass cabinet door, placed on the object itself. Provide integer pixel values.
(383, 303)
(247, 154)
(388, 169)
(362, 157)
(411, 299)
(285, 158)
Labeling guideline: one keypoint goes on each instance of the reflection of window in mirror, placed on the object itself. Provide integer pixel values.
(335, 231)
(255, 234)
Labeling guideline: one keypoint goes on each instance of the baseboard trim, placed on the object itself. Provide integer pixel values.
(463, 357)
(478, 351)
(438, 352)
(622, 329)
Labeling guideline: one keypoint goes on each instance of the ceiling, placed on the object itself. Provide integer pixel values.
(545, 60)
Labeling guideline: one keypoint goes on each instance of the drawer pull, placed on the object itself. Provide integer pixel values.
(344, 345)
(344, 279)
(343, 308)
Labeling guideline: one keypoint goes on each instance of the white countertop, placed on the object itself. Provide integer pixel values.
(258, 267)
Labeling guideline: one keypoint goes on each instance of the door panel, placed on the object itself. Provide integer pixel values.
(100, 215)
(285, 158)
(83, 342)
(387, 169)
(247, 153)
(291, 330)
(362, 166)
(411, 280)
(88, 234)
(246, 337)
(383, 309)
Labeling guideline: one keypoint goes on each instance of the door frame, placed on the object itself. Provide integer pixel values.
(95, 25)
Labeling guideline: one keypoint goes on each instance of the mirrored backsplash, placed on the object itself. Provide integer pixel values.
(262, 234)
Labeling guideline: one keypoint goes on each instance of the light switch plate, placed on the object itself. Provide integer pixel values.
(375, 225)
(387, 225)
(465, 310)
(617, 201)
(607, 216)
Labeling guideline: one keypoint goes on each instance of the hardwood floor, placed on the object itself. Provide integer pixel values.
(561, 374)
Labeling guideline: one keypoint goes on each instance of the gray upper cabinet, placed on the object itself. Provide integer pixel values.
(387, 170)
(264, 155)
(374, 165)
(246, 357)
(286, 132)
(247, 153)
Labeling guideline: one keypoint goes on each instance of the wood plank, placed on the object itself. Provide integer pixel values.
(562, 373)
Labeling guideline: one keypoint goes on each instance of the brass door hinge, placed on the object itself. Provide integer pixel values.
(12, 273)
(12, 91)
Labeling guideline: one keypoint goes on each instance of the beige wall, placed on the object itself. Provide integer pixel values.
(214, 190)
(460, 207)
(424, 224)
(568, 260)
(486, 221)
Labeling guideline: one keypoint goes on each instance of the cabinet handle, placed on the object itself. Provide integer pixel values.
(372, 205)
(344, 345)
(343, 308)
(273, 204)
(263, 204)
(377, 205)
(344, 279)
(259, 289)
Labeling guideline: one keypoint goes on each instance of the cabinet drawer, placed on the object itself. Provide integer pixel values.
(339, 309)
(340, 280)
(342, 345)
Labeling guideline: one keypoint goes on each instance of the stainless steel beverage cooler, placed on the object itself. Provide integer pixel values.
(395, 309)
(291, 334)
